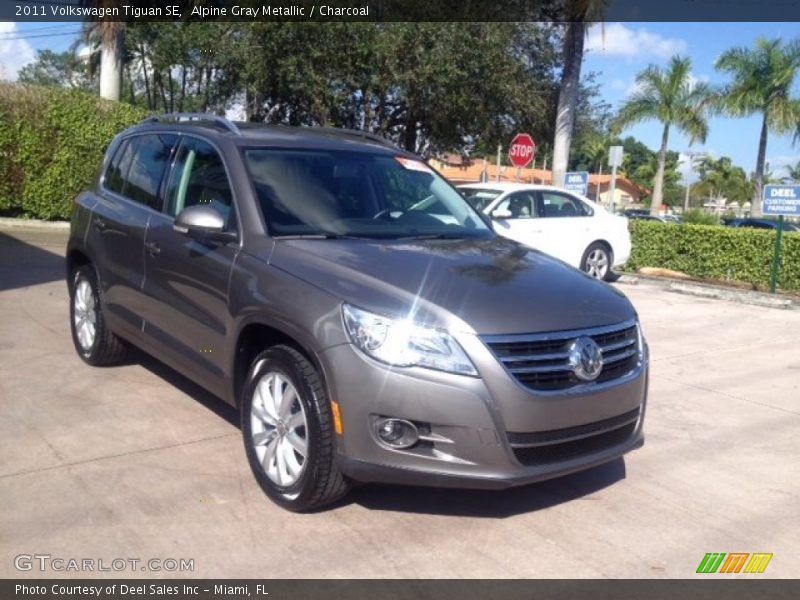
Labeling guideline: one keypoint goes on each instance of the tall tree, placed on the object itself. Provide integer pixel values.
(107, 38)
(721, 179)
(578, 14)
(672, 97)
(61, 69)
(762, 83)
(794, 171)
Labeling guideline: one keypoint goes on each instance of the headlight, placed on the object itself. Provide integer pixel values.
(403, 343)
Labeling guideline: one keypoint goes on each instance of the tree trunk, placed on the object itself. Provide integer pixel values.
(758, 192)
(568, 99)
(149, 98)
(658, 185)
(410, 133)
(111, 68)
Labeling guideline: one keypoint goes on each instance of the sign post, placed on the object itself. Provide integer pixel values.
(577, 182)
(614, 161)
(522, 150)
(780, 200)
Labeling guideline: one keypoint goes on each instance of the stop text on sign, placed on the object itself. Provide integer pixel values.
(522, 150)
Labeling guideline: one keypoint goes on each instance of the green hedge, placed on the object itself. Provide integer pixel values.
(52, 141)
(715, 252)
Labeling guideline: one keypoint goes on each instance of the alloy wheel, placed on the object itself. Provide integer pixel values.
(84, 314)
(279, 429)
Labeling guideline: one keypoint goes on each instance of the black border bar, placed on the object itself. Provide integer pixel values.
(711, 587)
(411, 10)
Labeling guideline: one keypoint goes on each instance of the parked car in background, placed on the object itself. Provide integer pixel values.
(363, 318)
(569, 227)
(648, 217)
(764, 224)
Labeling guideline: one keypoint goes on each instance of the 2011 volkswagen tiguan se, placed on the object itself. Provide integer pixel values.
(366, 321)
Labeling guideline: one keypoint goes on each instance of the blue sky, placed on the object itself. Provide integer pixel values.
(629, 47)
(625, 49)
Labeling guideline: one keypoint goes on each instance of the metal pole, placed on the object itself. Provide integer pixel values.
(612, 190)
(776, 258)
(597, 189)
(499, 150)
(688, 183)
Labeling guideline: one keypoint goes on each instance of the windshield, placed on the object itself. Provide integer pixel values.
(480, 198)
(351, 194)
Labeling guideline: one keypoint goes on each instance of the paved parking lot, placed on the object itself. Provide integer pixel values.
(137, 462)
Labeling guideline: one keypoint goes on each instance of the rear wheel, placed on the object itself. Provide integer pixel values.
(94, 342)
(288, 431)
(597, 261)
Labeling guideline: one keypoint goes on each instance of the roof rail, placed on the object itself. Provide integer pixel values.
(357, 133)
(184, 116)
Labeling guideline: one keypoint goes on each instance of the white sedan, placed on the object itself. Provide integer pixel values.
(569, 227)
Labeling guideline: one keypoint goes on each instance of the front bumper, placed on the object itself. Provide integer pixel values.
(473, 417)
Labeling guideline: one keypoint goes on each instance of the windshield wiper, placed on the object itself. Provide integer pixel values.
(317, 236)
(435, 236)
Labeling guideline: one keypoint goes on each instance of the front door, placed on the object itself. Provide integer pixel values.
(188, 317)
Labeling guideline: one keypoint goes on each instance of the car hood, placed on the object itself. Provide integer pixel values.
(493, 286)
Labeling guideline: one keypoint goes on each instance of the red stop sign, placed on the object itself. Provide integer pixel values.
(522, 150)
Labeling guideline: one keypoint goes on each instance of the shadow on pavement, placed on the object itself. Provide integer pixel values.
(187, 386)
(488, 503)
(23, 264)
(493, 504)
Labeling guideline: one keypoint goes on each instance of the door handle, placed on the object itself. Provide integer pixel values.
(99, 223)
(153, 248)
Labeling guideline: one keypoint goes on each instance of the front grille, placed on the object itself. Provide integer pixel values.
(563, 451)
(541, 361)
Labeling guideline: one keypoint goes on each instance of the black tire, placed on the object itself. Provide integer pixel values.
(587, 261)
(320, 482)
(105, 348)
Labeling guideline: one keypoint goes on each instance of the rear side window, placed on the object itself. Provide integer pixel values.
(561, 205)
(138, 166)
(114, 179)
(148, 164)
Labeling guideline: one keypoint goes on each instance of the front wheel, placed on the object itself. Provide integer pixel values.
(597, 261)
(288, 431)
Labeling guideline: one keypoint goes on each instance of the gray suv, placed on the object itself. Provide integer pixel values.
(362, 316)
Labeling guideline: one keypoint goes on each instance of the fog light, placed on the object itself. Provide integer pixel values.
(397, 433)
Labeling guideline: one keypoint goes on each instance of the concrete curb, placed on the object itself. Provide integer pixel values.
(704, 290)
(8, 223)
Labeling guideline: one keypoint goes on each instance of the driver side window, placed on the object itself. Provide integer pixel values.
(521, 205)
(199, 177)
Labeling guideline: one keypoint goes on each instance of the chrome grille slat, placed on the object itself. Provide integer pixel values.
(619, 345)
(618, 357)
(541, 361)
(549, 369)
(535, 357)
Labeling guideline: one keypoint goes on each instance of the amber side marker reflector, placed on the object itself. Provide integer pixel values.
(337, 418)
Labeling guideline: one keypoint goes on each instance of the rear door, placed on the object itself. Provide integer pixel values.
(127, 199)
(187, 318)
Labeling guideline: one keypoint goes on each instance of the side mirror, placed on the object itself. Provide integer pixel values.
(202, 222)
(501, 213)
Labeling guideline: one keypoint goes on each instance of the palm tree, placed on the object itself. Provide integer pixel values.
(794, 171)
(579, 13)
(672, 97)
(762, 83)
(106, 39)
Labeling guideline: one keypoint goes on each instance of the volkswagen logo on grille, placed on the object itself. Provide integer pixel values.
(585, 358)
